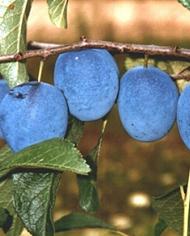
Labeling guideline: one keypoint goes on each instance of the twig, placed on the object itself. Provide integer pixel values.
(45, 50)
(40, 70)
(186, 203)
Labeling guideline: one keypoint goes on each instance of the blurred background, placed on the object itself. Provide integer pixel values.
(130, 172)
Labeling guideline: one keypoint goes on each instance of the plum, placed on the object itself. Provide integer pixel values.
(147, 103)
(31, 113)
(4, 88)
(183, 116)
(89, 80)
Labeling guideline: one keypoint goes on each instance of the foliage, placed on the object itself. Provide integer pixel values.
(185, 3)
(13, 20)
(170, 208)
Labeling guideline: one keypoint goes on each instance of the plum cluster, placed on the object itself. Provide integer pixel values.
(86, 85)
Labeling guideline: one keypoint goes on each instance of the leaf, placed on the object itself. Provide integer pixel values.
(55, 154)
(160, 227)
(185, 3)
(34, 199)
(170, 209)
(88, 194)
(16, 227)
(6, 191)
(58, 12)
(75, 130)
(13, 226)
(13, 17)
(79, 221)
(4, 215)
(5, 152)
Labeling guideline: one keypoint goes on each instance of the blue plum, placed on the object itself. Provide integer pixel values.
(89, 80)
(147, 103)
(183, 116)
(4, 89)
(31, 113)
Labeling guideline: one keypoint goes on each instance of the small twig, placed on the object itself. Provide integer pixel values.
(101, 137)
(181, 77)
(186, 203)
(182, 192)
(40, 70)
(146, 57)
(45, 50)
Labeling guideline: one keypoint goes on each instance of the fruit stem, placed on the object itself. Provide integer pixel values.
(186, 202)
(146, 58)
(101, 136)
(41, 66)
(99, 143)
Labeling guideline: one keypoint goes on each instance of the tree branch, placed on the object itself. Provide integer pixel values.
(44, 50)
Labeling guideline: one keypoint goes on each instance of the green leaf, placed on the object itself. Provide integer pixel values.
(13, 19)
(170, 209)
(16, 227)
(58, 12)
(6, 191)
(185, 3)
(160, 227)
(55, 154)
(75, 130)
(34, 199)
(5, 152)
(88, 193)
(79, 221)
(4, 215)
(13, 226)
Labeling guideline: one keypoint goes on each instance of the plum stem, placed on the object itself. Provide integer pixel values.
(41, 66)
(146, 57)
(186, 202)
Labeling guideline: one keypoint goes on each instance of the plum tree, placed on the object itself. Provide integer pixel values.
(4, 88)
(147, 103)
(31, 113)
(183, 116)
(89, 80)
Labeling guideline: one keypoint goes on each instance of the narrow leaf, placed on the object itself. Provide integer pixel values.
(75, 130)
(78, 221)
(5, 152)
(6, 191)
(13, 17)
(56, 154)
(16, 227)
(13, 226)
(4, 218)
(58, 12)
(185, 3)
(170, 209)
(160, 227)
(88, 193)
(34, 199)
